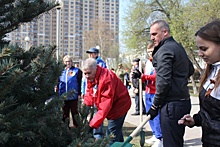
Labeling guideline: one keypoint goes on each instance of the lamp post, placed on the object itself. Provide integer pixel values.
(26, 39)
(58, 7)
(98, 47)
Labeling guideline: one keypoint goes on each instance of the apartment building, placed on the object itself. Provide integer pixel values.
(70, 28)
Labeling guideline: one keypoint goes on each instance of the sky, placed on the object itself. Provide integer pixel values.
(122, 8)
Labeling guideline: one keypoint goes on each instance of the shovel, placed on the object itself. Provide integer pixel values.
(131, 136)
(142, 133)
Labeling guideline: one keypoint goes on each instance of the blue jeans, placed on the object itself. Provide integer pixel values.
(155, 123)
(115, 127)
(98, 133)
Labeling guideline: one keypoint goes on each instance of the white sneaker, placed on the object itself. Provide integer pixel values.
(158, 143)
(151, 140)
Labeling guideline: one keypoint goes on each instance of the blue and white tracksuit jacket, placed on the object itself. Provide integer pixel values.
(69, 83)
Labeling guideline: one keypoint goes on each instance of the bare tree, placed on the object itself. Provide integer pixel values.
(103, 36)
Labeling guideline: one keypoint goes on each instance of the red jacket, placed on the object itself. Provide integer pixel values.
(151, 81)
(110, 96)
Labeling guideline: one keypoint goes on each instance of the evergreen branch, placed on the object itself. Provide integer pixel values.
(11, 80)
(6, 52)
(5, 66)
(45, 68)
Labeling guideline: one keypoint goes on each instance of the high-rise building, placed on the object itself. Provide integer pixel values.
(77, 26)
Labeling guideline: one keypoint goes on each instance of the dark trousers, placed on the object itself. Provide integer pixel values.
(137, 104)
(171, 112)
(70, 105)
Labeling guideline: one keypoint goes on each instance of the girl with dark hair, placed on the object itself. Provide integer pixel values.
(208, 43)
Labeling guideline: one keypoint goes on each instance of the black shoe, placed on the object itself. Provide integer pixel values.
(136, 113)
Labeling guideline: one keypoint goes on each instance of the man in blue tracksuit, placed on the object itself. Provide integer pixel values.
(94, 53)
(70, 83)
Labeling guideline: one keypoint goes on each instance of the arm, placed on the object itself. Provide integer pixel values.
(187, 120)
(83, 86)
(163, 79)
(164, 71)
(190, 121)
(149, 77)
(104, 103)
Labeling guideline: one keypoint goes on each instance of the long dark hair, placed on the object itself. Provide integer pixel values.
(210, 32)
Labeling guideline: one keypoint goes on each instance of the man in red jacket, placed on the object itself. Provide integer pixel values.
(107, 92)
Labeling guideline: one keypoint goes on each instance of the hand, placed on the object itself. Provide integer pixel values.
(136, 74)
(153, 112)
(187, 120)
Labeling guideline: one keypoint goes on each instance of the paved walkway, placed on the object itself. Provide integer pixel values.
(192, 135)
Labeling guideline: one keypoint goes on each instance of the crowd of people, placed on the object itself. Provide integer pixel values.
(164, 81)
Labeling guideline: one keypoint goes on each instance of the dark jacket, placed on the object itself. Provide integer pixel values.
(209, 118)
(135, 81)
(209, 115)
(173, 69)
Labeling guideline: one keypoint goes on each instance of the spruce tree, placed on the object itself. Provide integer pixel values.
(27, 80)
